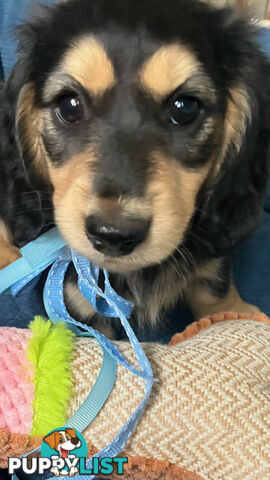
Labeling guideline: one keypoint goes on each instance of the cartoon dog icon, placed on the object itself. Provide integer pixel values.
(64, 442)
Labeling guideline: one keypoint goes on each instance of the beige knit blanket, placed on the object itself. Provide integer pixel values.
(209, 413)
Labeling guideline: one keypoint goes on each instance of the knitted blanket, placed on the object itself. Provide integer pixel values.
(208, 415)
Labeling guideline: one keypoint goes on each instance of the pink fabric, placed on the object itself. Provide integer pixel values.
(16, 386)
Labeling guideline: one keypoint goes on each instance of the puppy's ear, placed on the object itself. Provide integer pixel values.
(28, 125)
(71, 432)
(230, 206)
(51, 440)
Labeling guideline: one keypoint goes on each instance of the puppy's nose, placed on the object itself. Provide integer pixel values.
(117, 238)
(75, 441)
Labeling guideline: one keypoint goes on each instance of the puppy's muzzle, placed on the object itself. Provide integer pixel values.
(116, 237)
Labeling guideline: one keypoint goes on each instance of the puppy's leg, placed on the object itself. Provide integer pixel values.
(8, 253)
(81, 309)
(211, 291)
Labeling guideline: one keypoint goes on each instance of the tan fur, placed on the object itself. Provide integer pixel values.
(85, 311)
(169, 201)
(76, 172)
(125, 205)
(8, 253)
(172, 192)
(170, 67)
(203, 302)
(77, 301)
(73, 198)
(166, 288)
(88, 63)
(236, 119)
(29, 126)
(231, 131)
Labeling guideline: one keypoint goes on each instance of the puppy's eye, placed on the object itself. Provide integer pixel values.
(69, 109)
(184, 110)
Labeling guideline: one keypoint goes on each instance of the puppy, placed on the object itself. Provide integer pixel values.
(64, 442)
(141, 129)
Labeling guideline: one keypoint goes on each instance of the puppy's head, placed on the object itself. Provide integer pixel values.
(63, 441)
(149, 121)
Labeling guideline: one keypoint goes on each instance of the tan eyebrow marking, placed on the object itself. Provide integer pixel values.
(167, 69)
(88, 62)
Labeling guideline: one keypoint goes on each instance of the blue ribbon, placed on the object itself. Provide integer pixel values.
(107, 303)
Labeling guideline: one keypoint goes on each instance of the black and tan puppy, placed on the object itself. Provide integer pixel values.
(146, 123)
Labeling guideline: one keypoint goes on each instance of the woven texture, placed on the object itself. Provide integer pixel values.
(209, 410)
(16, 387)
(206, 322)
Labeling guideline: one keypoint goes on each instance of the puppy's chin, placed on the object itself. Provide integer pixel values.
(118, 265)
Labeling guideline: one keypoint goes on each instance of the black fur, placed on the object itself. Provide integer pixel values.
(231, 210)
(26, 210)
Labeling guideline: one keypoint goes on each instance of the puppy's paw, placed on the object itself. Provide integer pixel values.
(244, 307)
(55, 471)
(106, 326)
(73, 471)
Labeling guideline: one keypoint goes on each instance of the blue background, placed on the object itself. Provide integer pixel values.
(47, 451)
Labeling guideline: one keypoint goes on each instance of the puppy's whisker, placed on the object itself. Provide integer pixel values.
(21, 204)
(183, 258)
(33, 192)
(194, 235)
(176, 270)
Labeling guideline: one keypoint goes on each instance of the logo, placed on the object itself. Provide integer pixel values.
(64, 452)
(64, 447)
